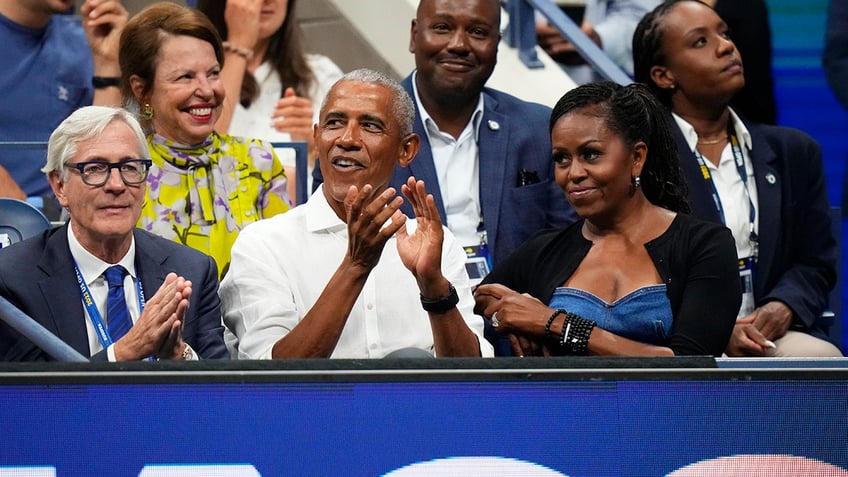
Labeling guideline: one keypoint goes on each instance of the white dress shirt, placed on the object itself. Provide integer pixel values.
(92, 269)
(729, 185)
(281, 265)
(458, 171)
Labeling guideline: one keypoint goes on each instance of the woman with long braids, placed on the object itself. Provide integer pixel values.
(637, 276)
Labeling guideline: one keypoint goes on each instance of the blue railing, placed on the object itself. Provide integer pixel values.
(521, 34)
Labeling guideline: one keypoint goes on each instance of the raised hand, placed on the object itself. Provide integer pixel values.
(242, 19)
(421, 252)
(366, 217)
(173, 345)
(103, 22)
(293, 114)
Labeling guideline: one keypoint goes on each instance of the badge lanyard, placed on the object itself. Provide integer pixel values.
(94, 315)
(743, 174)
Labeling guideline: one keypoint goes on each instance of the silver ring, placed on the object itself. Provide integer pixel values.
(495, 321)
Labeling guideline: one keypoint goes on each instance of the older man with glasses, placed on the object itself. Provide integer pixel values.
(111, 291)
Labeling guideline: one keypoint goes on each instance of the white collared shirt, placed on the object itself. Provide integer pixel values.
(458, 171)
(729, 185)
(281, 265)
(92, 269)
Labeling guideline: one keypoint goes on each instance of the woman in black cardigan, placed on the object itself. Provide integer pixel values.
(637, 276)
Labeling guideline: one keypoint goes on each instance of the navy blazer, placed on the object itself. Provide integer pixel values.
(797, 250)
(37, 275)
(520, 141)
(513, 137)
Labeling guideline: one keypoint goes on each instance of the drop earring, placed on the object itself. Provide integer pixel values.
(147, 112)
(635, 184)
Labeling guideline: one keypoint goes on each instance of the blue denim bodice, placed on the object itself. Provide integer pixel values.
(642, 315)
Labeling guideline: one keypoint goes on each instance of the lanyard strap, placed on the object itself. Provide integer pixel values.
(739, 159)
(94, 315)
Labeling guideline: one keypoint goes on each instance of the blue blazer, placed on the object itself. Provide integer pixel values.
(797, 251)
(520, 141)
(37, 275)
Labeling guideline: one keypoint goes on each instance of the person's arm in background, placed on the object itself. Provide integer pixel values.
(103, 22)
(835, 57)
(8, 186)
(614, 33)
(611, 30)
(242, 18)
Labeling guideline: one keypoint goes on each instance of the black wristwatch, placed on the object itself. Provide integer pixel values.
(441, 304)
(100, 82)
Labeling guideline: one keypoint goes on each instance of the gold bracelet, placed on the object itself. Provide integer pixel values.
(245, 53)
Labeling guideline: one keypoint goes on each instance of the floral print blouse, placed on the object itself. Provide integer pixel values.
(203, 195)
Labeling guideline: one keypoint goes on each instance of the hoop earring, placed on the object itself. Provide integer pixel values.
(147, 112)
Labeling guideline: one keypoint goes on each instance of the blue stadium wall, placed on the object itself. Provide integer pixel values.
(804, 99)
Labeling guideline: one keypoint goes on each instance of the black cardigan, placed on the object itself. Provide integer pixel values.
(695, 259)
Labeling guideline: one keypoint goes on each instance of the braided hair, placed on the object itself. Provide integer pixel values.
(633, 113)
(647, 47)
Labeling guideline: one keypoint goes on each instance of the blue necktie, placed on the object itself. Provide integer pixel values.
(117, 313)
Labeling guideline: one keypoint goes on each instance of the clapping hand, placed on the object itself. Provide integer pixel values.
(421, 252)
(366, 223)
(158, 331)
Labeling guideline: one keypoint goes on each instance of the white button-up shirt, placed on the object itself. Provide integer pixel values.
(458, 171)
(729, 185)
(281, 265)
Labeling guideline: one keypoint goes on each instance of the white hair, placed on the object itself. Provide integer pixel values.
(403, 108)
(84, 124)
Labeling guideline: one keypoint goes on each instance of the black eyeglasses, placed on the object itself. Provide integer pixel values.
(96, 173)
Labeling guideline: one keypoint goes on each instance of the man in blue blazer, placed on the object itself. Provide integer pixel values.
(504, 141)
(797, 251)
(166, 293)
(485, 155)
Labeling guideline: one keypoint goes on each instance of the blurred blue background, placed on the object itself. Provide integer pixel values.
(804, 99)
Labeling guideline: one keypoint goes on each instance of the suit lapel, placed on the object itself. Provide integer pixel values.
(492, 158)
(62, 293)
(149, 263)
(769, 185)
(423, 167)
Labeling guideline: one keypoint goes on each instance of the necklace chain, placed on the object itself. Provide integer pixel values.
(712, 141)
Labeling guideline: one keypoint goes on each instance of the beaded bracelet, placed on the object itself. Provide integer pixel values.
(551, 321)
(245, 53)
(566, 329)
(575, 334)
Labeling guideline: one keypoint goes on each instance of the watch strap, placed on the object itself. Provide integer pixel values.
(441, 304)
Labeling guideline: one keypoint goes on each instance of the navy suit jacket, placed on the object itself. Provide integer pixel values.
(520, 141)
(37, 275)
(797, 251)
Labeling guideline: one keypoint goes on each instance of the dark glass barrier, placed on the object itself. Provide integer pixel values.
(512, 416)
